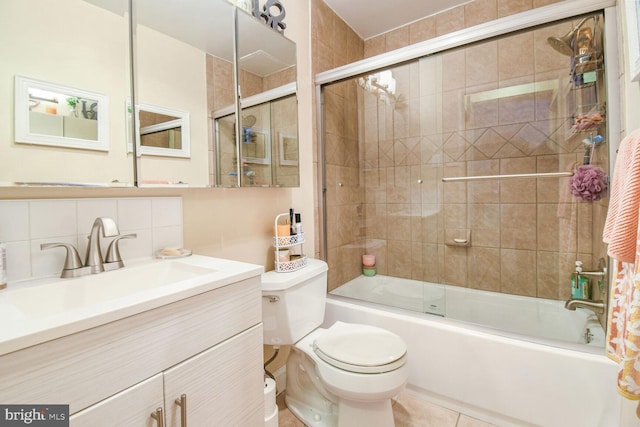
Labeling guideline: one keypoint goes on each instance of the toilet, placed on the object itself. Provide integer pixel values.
(341, 376)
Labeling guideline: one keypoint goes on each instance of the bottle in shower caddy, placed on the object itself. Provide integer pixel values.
(580, 285)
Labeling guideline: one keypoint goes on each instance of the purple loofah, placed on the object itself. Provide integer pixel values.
(589, 183)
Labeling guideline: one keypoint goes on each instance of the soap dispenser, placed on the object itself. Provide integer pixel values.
(580, 285)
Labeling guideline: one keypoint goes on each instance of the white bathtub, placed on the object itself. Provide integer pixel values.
(534, 317)
(502, 379)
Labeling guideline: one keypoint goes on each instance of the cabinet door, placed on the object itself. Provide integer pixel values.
(131, 407)
(224, 386)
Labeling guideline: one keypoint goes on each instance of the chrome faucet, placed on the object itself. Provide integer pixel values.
(597, 307)
(94, 259)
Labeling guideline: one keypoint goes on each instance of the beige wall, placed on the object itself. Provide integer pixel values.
(42, 29)
(161, 61)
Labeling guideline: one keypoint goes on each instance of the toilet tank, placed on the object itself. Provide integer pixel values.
(293, 302)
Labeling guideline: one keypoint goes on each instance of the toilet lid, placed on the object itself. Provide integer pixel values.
(361, 348)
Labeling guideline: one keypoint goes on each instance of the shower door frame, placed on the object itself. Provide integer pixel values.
(499, 27)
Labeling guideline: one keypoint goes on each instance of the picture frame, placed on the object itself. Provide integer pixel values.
(288, 155)
(62, 116)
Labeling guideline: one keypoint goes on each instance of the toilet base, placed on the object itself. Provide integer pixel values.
(312, 416)
(305, 395)
(315, 404)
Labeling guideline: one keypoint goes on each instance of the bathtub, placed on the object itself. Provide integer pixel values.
(501, 377)
(534, 317)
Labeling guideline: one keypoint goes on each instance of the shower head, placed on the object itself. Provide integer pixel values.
(563, 44)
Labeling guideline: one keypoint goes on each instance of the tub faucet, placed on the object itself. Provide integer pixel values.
(94, 259)
(597, 307)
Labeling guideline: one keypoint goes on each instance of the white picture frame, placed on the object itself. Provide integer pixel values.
(60, 125)
(181, 121)
(632, 8)
(283, 139)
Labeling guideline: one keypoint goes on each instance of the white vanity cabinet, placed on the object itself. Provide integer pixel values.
(207, 347)
(131, 407)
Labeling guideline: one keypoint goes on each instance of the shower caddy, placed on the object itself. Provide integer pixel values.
(587, 73)
(285, 242)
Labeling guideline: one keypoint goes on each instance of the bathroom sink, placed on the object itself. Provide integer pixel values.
(45, 309)
(87, 291)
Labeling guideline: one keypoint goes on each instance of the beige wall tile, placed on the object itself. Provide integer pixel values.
(479, 11)
(455, 265)
(518, 226)
(395, 39)
(374, 46)
(483, 191)
(450, 20)
(422, 30)
(432, 262)
(518, 272)
(481, 64)
(455, 192)
(453, 70)
(515, 56)
(511, 7)
(484, 222)
(484, 269)
(399, 258)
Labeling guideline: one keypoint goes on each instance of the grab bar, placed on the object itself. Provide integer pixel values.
(521, 175)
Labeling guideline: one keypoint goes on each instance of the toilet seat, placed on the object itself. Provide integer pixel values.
(360, 348)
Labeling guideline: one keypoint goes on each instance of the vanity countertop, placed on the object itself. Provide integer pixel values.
(40, 310)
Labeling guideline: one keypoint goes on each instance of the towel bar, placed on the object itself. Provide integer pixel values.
(521, 175)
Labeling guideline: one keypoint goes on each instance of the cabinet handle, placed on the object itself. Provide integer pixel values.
(158, 416)
(182, 403)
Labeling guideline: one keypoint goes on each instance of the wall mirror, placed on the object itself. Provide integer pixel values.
(79, 51)
(266, 74)
(183, 57)
(162, 131)
(60, 116)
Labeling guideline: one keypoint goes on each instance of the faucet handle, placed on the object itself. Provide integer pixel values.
(72, 260)
(109, 227)
(113, 251)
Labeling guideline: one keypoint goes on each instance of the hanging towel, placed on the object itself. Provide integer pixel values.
(621, 232)
(621, 226)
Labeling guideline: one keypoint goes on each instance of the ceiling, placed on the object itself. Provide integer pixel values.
(370, 18)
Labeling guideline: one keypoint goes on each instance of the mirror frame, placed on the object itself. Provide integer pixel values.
(281, 148)
(22, 131)
(182, 121)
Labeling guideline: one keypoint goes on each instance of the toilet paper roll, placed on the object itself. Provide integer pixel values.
(269, 398)
(272, 420)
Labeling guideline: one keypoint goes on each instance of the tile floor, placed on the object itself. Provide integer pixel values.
(409, 410)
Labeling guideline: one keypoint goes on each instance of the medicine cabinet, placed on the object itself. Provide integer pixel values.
(261, 150)
(179, 54)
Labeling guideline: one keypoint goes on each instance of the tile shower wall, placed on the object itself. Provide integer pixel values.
(472, 112)
(526, 233)
(25, 224)
(335, 44)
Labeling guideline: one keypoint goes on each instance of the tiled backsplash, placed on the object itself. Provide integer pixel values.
(25, 224)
